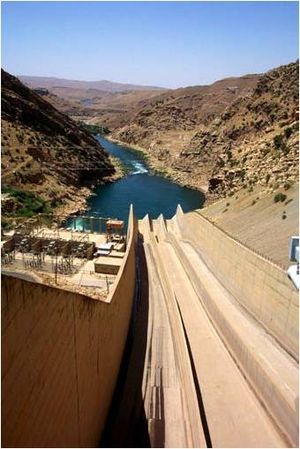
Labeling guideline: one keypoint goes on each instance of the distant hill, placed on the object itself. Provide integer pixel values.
(103, 85)
(44, 151)
(101, 102)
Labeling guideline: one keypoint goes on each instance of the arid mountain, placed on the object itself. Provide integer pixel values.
(164, 124)
(106, 108)
(235, 133)
(187, 107)
(43, 150)
(98, 102)
(103, 85)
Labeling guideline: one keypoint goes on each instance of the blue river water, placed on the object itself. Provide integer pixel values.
(149, 193)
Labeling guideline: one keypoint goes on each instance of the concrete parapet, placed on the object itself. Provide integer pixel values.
(256, 283)
(61, 354)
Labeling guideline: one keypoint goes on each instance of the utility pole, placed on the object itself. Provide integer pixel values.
(56, 266)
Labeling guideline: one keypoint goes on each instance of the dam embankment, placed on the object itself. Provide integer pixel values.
(213, 361)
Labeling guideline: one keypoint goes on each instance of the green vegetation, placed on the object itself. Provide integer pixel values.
(278, 141)
(288, 132)
(94, 129)
(28, 204)
(279, 197)
(229, 154)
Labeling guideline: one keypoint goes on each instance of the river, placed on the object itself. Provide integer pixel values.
(148, 192)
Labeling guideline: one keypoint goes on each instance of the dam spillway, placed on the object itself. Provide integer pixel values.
(213, 359)
(232, 382)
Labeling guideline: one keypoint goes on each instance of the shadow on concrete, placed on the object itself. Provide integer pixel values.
(126, 424)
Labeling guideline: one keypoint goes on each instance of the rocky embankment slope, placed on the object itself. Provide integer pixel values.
(44, 152)
(236, 133)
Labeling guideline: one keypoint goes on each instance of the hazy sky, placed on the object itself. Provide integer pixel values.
(156, 43)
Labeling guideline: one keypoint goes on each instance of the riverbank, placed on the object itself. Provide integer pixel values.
(159, 168)
(77, 198)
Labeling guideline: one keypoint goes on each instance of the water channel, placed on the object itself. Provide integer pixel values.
(148, 192)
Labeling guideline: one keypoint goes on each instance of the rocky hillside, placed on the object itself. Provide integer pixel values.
(235, 133)
(165, 123)
(44, 152)
(185, 108)
(255, 141)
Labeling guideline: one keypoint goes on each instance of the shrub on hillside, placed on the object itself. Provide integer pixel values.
(29, 203)
(279, 197)
(288, 132)
(278, 141)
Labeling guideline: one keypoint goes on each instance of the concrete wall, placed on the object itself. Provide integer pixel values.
(260, 286)
(61, 354)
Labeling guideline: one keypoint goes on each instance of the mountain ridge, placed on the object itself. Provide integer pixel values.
(105, 85)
